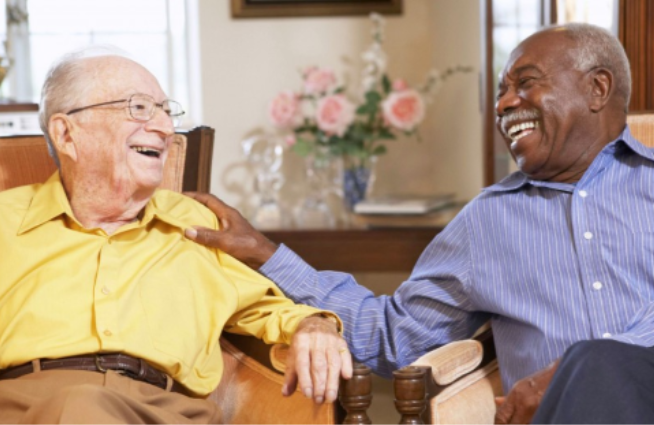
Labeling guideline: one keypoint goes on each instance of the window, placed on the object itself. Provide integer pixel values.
(598, 12)
(151, 31)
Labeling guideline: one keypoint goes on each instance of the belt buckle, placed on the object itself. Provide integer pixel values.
(98, 365)
(101, 369)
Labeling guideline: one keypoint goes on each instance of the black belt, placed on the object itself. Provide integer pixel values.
(137, 369)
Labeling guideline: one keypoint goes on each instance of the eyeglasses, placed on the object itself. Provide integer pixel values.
(142, 107)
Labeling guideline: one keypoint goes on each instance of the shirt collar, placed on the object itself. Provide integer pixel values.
(158, 208)
(518, 179)
(50, 201)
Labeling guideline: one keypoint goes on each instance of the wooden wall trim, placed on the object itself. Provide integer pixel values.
(636, 32)
(488, 90)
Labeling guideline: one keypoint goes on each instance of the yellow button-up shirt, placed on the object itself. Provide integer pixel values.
(145, 290)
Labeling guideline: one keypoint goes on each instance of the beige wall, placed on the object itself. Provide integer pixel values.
(246, 62)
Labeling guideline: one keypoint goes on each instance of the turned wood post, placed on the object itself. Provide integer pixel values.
(355, 395)
(410, 384)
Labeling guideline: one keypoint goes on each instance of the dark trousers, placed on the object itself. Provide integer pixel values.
(601, 381)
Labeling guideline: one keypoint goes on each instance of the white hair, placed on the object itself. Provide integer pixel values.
(66, 83)
(598, 47)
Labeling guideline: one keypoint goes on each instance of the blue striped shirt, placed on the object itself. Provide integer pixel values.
(548, 263)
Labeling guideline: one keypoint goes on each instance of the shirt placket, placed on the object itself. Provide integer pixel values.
(105, 301)
(587, 235)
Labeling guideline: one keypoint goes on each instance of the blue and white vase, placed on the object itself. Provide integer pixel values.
(358, 179)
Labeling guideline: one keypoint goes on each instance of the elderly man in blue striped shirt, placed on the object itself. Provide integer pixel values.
(559, 255)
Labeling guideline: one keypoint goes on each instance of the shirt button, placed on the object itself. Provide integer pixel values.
(583, 193)
(606, 335)
(106, 290)
(588, 235)
(597, 286)
(107, 332)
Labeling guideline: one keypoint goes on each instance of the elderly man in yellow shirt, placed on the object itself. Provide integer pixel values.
(107, 312)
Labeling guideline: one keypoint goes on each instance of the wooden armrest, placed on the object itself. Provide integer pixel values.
(452, 361)
(278, 355)
(251, 388)
(455, 383)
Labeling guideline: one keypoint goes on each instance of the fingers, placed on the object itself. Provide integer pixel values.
(320, 359)
(303, 371)
(504, 412)
(202, 198)
(334, 363)
(346, 362)
(204, 236)
(319, 373)
(290, 378)
(523, 400)
(210, 201)
(319, 376)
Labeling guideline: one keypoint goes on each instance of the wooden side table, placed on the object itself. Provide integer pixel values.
(358, 250)
(18, 118)
(371, 243)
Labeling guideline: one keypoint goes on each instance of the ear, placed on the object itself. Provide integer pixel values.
(601, 88)
(61, 129)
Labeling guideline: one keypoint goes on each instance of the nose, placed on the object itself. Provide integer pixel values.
(508, 101)
(161, 123)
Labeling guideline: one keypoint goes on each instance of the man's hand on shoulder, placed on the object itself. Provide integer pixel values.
(236, 237)
(520, 405)
(317, 358)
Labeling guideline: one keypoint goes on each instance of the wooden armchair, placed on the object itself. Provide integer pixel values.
(457, 383)
(250, 389)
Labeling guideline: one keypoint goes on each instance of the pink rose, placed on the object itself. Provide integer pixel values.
(334, 114)
(318, 80)
(404, 110)
(284, 110)
(400, 85)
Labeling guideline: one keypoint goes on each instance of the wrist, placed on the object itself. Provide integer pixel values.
(269, 250)
(331, 318)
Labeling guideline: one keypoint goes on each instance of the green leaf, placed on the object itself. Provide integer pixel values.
(385, 134)
(379, 150)
(339, 90)
(386, 84)
(363, 109)
(373, 97)
(302, 147)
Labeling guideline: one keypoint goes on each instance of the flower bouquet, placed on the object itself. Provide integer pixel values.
(322, 120)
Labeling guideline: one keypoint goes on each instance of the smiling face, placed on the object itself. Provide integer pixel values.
(110, 147)
(543, 108)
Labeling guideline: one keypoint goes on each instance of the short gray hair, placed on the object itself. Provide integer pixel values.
(66, 83)
(598, 47)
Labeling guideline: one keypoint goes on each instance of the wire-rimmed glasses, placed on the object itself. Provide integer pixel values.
(142, 107)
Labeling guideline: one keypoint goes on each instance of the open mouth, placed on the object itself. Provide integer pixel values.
(518, 131)
(151, 152)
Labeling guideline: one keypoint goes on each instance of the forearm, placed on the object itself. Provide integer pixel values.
(383, 332)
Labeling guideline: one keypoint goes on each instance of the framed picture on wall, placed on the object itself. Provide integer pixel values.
(296, 8)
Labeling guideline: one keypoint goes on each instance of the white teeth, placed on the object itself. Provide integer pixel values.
(516, 128)
(144, 149)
